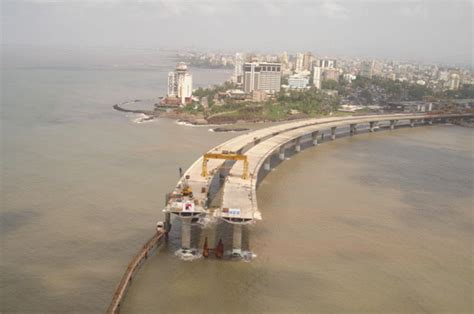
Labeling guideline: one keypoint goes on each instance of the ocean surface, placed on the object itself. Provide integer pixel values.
(82, 185)
(373, 223)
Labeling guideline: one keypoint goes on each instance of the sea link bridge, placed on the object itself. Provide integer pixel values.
(222, 184)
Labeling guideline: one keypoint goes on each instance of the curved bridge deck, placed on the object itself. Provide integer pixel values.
(239, 201)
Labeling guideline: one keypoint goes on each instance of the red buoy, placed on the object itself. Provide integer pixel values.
(205, 251)
(220, 249)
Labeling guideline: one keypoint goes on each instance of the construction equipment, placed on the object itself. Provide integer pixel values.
(227, 156)
(186, 189)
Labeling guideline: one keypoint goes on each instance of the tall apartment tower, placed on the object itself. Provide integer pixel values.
(325, 63)
(238, 67)
(307, 61)
(284, 60)
(317, 77)
(299, 62)
(262, 76)
(180, 83)
(367, 69)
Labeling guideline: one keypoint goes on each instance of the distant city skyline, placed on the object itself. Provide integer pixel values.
(439, 31)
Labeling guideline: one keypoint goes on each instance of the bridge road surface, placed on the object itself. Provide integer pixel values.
(238, 144)
(239, 204)
(241, 144)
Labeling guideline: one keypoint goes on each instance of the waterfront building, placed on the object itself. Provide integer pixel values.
(317, 77)
(298, 81)
(171, 84)
(238, 68)
(264, 76)
(180, 83)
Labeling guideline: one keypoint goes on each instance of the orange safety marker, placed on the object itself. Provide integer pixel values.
(205, 251)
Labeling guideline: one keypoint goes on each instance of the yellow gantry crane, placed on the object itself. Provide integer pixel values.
(227, 156)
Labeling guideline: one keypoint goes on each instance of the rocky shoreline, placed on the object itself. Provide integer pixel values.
(161, 111)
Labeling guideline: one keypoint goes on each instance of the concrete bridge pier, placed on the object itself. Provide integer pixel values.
(237, 240)
(353, 129)
(392, 124)
(185, 233)
(333, 133)
(314, 137)
(267, 165)
(281, 152)
(168, 222)
(298, 144)
(372, 126)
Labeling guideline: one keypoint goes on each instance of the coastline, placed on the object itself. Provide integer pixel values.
(199, 119)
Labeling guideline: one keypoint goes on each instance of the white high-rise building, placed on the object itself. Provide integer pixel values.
(317, 77)
(326, 63)
(308, 61)
(180, 83)
(262, 76)
(238, 67)
(299, 62)
(171, 84)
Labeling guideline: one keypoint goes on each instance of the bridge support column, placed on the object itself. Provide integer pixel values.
(298, 145)
(353, 129)
(281, 153)
(185, 233)
(237, 240)
(267, 165)
(392, 124)
(412, 123)
(333, 133)
(167, 222)
(314, 137)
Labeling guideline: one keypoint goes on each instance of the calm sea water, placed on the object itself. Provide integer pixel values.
(82, 185)
(378, 222)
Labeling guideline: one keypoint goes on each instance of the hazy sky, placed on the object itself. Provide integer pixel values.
(409, 29)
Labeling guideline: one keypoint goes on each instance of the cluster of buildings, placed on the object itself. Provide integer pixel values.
(259, 76)
(262, 75)
(304, 70)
